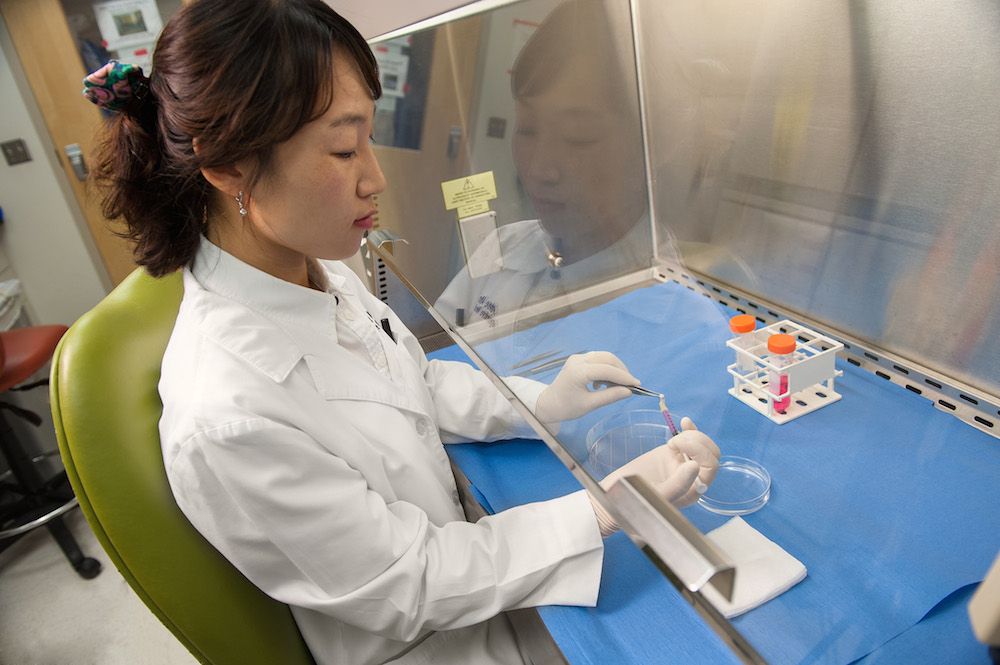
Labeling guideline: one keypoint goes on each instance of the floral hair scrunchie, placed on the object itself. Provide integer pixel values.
(116, 86)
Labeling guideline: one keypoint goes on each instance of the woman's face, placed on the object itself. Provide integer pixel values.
(316, 198)
(580, 159)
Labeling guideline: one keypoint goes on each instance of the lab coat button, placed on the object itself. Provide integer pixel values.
(423, 427)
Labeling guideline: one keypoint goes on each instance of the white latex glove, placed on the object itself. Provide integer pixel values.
(570, 395)
(676, 471)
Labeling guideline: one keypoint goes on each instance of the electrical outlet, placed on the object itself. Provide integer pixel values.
(496, 127)
(15, 152)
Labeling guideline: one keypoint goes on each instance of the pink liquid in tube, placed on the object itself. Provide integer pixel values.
(666, 417)
(782, 346)
(781, 405)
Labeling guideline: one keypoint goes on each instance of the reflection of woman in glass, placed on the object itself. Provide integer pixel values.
(577, 148)
(577, 142)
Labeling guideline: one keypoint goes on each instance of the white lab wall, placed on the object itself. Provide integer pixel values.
(42, 235)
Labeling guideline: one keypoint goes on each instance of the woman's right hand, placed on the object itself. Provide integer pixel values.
(571, 395)
(679, 472)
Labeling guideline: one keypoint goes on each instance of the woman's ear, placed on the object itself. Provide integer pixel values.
(229, 179)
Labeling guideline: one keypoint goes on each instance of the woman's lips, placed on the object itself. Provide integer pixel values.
(365, 222)
(547, 206)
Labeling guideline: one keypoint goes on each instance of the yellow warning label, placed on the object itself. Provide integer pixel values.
(473, 209)
(469, 195)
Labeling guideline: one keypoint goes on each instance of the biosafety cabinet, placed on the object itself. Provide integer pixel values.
(784, 219)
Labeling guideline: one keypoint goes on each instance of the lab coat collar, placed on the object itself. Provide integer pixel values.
(525, 249)
(295, 313)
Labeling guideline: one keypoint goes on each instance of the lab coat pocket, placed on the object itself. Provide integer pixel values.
(398, 449)
(341, 376)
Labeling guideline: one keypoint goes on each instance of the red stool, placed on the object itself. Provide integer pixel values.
(31, 501)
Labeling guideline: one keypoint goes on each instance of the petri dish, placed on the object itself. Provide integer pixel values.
(740, 487)
(621, 438)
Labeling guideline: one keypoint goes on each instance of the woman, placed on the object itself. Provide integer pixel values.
(300, 438)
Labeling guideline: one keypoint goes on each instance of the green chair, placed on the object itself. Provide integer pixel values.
(106, 410)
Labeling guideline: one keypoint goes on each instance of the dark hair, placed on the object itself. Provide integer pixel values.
(241, 76)
(577, 34)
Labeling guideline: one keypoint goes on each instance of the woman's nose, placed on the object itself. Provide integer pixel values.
(372, 180)
(544, 163)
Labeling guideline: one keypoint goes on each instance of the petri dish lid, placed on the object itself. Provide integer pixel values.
(741, 486)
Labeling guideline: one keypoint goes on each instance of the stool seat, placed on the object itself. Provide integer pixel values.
(25, 351)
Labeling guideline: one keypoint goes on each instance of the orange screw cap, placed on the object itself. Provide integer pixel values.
(781, 344)
(742, 323)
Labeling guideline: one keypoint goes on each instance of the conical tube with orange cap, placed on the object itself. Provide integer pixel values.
(744, 325)
(782, 348)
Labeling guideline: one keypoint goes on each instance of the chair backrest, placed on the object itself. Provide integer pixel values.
(106, 409)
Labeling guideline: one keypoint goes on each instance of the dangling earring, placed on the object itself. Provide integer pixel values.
(239, 201)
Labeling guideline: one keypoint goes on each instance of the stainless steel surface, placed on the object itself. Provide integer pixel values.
(379, 237)
(840, 159)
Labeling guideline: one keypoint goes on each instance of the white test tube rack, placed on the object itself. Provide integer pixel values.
(810, 374)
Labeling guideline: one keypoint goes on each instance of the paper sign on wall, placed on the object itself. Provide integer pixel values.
(469, 195)
(125, 23)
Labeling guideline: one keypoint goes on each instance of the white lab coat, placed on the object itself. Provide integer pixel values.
(526, 276)
(317, 468)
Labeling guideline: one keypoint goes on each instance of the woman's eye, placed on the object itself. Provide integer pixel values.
(352, 153)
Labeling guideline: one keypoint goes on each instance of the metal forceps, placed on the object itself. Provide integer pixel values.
(636, 390)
